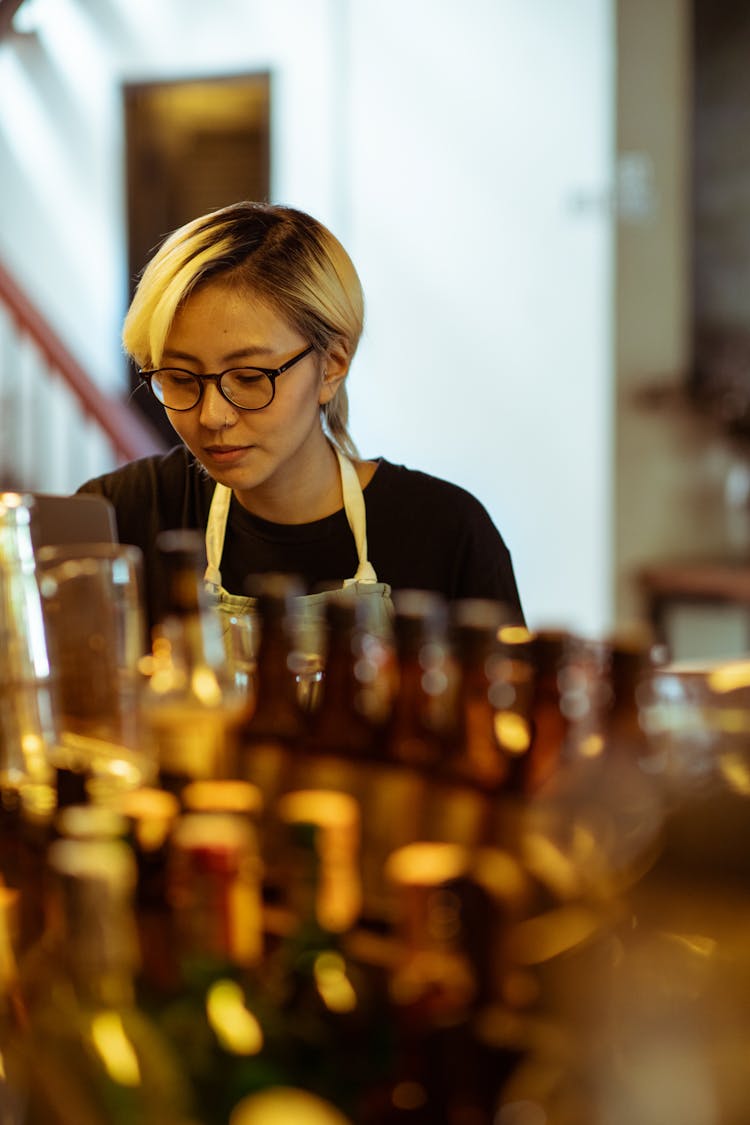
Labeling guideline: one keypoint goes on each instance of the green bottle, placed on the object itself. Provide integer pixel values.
(325, 987)
(96, 1058)
(217, 1022)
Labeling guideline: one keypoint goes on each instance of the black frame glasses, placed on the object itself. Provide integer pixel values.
(199, 381)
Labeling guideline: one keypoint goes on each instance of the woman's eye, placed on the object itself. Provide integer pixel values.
(178, 378)
(246, 377)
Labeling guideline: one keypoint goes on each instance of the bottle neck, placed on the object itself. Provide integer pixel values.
(194, 639)
(99, 944)
(91, 921)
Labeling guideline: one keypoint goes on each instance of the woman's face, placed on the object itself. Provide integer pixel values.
(219, 328)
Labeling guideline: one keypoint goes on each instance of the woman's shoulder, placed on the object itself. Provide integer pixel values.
(174, 470)
(393, 480)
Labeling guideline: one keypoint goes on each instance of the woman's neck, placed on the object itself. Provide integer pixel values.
(309, 491)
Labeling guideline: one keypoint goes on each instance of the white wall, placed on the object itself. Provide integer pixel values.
(462, 149)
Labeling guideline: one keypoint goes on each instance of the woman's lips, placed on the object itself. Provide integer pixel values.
(225, 454)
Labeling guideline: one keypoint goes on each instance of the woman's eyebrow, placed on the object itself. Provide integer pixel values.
(250, 352)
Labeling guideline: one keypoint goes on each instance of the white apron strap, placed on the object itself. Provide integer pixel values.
(354, 506)
(215, 531)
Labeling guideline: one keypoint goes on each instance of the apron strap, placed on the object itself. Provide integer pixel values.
(216, 529)
(354, 506)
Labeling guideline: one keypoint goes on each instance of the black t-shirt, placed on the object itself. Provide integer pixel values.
(422, 532)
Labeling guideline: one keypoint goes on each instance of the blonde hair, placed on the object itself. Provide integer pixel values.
(277, 253)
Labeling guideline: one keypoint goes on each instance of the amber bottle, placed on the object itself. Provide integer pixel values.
(475, 768)
(274, 723)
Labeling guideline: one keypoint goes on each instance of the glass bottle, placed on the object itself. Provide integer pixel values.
(97, 1057)
(550, 652)
(14, 1060)
(149, 815)
(335, 1031)
(217, 1022)
(275, 722)
(190, 704)
(461, 792)
(344, 726)
(28, 715)
(602, 788)
(412, 745)
(433, 990)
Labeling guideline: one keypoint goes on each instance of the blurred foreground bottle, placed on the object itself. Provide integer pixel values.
(335, 1029)
(343, 749)
(191, 705)
(97, 1058)
(28, 717)
(272, 728)
(13, 1018)
(464, 789)
(411, 745)
(149, 815)
(433, 989)
(342, 727)
(589, 831)
(218, 1021)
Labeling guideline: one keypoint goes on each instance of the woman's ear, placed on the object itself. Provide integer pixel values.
(334, 369)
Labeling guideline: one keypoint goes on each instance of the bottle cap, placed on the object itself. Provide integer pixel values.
(285, 1104)
(223, 796)
(90, 822)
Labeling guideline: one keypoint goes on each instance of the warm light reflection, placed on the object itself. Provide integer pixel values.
(735, 769)
(427, 864)
(591, 746)
(512, 732)
(236, 1028)
(549, 935)
(115, 1049)
(544, 859)
(514, 635)
(206, 686)
(334, 987)
(699, 944)
(732, 676)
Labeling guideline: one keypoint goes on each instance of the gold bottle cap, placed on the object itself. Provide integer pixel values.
(223, 796)
(90, 822)
(427, 864)
(285, 1104)
(150, 813)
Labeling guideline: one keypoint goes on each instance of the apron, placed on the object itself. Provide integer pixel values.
(237, 611)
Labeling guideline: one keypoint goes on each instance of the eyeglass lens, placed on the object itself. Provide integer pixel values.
(244, 386)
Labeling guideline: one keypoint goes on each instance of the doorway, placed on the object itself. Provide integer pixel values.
(191, 146)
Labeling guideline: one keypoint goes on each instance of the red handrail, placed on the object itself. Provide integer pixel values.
(129, 436)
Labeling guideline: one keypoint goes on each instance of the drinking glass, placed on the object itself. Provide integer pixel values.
(92, 594)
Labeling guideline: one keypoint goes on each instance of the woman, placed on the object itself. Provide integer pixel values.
(244, 325)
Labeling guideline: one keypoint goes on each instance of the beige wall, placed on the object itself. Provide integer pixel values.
(670, 463)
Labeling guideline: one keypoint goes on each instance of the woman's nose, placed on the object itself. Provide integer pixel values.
(216, 412)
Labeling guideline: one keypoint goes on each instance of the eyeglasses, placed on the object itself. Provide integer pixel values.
(247, 388)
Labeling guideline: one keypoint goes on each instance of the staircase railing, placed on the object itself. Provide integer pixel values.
(57, 426)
